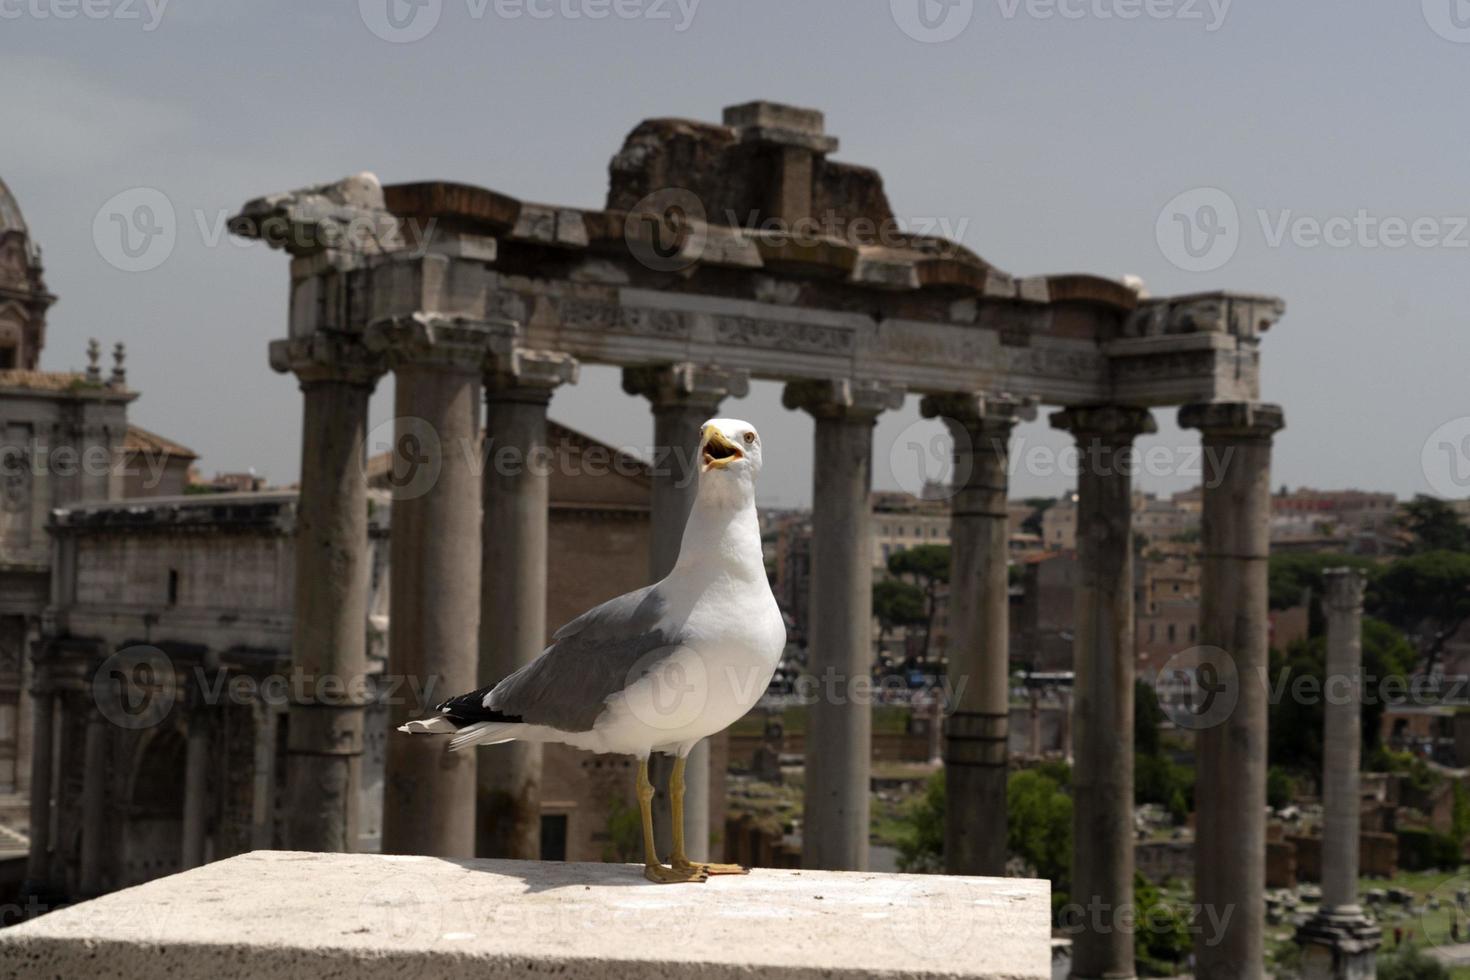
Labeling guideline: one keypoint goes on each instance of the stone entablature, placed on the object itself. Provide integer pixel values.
(692, 263)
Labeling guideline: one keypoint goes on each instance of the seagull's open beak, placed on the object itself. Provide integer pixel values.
(717, 451)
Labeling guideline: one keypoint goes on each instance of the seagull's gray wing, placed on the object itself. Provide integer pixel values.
(595, 656)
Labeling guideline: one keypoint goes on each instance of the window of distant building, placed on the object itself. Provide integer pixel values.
(8, 360)
(1171, 632)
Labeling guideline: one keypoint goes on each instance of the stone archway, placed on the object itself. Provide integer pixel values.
(155, 826)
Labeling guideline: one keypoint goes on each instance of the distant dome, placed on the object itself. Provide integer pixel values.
(10, 216)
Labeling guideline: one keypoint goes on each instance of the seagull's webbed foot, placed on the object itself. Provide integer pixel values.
(664, 875)
(710, 869)
(679, 859)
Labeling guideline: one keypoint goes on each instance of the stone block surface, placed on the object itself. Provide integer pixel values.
(274, 914)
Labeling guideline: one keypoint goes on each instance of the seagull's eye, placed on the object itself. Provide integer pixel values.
(750, 437)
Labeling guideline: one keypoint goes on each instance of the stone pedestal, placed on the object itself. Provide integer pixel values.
(683, 397)
(1230, 792)
(976, 732)
(429, 792)
(840, 652)
(1339, 943)
(513, 586)
(291, 916)
(329, 624)
(1102, 776)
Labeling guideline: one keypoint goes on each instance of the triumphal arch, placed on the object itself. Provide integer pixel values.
(729, 252)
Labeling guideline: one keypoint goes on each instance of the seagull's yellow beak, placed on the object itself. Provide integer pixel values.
(716, 450)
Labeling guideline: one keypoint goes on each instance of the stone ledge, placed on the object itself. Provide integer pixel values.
(323, 916)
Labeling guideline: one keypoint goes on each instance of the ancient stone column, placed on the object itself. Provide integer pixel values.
(94, 804)
(683, 398)
(329, 621)
(1103, 663)
(1339, 943)
(976, 733)
(513, 585)
(1230, 791)
(840, 652)
(43, 700)
(196, 789)
(433, 633)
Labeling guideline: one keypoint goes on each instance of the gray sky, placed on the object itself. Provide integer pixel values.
(1054, 133)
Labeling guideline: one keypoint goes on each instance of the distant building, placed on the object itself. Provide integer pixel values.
(207, 581)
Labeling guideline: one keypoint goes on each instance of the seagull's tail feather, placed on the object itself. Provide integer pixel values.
(439, 725)
(484, 733)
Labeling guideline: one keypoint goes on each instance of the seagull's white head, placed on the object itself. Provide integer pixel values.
(729, 448)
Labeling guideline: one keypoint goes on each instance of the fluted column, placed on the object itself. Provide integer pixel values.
(513, 585)
(329, 623)
(976, 732)
(839, 735)
(429, 792)
(683, 398)
(1230, 792)
(1103, 665)
(196, 788)
(1339, 943)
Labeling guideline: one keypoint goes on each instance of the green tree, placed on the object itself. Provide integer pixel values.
(1039, 826)
(1161, 936)
(926, 566)
(1427, 595)
(1411, 963)
(1280, 788)
(1433, 526)
(921, 842)
(897, 604)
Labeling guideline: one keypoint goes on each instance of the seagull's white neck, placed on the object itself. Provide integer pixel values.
(722, 535)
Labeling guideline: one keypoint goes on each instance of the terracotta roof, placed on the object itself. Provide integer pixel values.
(141, 440)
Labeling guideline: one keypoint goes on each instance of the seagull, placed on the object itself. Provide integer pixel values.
(660, 668)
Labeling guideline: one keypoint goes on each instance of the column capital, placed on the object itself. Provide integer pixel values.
(685, 385)
(980, 412)
(843, 399)
(451, 343)
(327, 356)
(1238, 420)
(1122, 423)
(1344, 591)
(530, 375)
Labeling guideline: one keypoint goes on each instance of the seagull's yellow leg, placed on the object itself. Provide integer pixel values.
(652, 869)
(679, 859)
